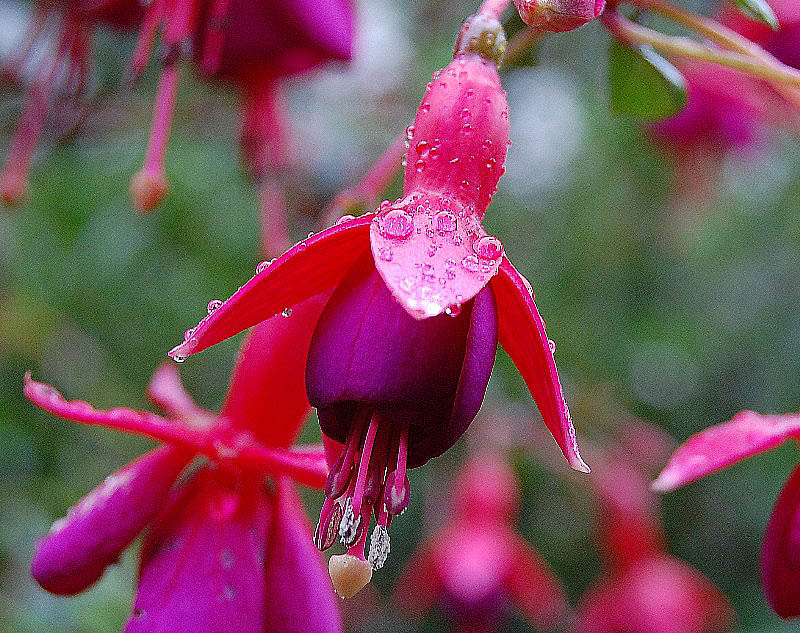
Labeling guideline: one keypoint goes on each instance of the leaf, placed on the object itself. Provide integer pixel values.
(759, 10)
(643, 84)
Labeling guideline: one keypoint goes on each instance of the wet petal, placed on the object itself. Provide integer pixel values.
(305, 270)
(203, 561)
(522, 335)
(268, 389)
(432, 253)
(533, 586)
(724, 444)
(780, 552)
(299, 594)
(94, 533)
(166, 391)
(49, 399)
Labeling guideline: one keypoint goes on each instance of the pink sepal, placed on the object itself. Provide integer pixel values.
(780, 552)
(432, 252)
(724, 444)
(166, 391)
(307, 269)
(522, 334)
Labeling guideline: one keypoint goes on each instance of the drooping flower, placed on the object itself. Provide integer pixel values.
(558, 15)
(61, 73)
(644, 590)
(251, 43)
(478, 565)
(722, 445)
(223, 550)
(402, 352)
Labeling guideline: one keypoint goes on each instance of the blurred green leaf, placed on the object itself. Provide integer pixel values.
(759, 10)
(643, 84)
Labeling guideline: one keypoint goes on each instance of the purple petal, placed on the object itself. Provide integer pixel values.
(368, 350)
(299, 596)
(780, 552)
(80, 546)
(203, 561)
(722, 445)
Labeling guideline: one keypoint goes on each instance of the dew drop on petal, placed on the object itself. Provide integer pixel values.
(214, 305)
(453, 310)
(419, 166)
(552, 345)
(345, 218)
(262, 266)
(286, 313)
(385, 253)
(471, 263)
(396, 224)
(488, 247)
(189, 333)
(423, 148)
(446, 222)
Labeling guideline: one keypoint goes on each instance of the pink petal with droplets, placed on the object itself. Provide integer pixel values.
(94, 533)
(299, 592)
(202, 565)
(166, 391)
(780, 552)
(120, 418)
(432, 253)
(724, 444)
(268, 389)
(305, 270)
(523, 337)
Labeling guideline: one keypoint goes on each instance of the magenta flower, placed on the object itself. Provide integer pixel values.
(419, 297)
(63, 75)
(251, 43)
(721, 446)
(784, 43)
(644, 590)
(223, 551)
(478, 564)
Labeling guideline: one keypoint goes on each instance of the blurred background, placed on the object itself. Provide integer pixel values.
(679, 320)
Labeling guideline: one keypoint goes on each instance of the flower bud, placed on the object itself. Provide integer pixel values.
(483, 35)
(557, 16)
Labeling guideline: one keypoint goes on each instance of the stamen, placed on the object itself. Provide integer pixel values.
(379, 547)
(348, 528)
(149, 186)
(363, 466)
(215, 36)
(330, 517)
(397, 491)
(147, 35)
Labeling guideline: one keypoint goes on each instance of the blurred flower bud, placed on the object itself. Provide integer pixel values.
(558, 15)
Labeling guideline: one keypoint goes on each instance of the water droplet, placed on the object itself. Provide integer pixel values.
(504, 115)
(466, 114)
(466, 129)
(445, 222)
(465, 184)
(419, 166)
(430, 232)
(471, 263)
(178, 358)
(410, 132)
(189, 333)
(397, 224)
(310, 234)
(425, 107)
(491, 163)
(437, 74)
(214, 305)
(423, 148)
(552, 345)
(453, 310)
(453, 161)
(488, 247)
(470, 92)
(385, 253)
(345, 218)
(226, 558)
(286, 313)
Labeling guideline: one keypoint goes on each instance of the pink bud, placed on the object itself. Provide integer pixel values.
(558, 15)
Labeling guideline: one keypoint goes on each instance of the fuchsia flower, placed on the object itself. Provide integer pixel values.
(251, 43)
(402, 353)
(722, 445)
(645, 590)
(223, 550)
(783, 43)
(478, 563)
(64, 74)
(558, 15)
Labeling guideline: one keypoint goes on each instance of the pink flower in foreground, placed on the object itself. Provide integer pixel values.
(722, 445)
(420, 295)
(478, 564)
(63, 74)
(252, 43)
(223, 551)
(645, 590)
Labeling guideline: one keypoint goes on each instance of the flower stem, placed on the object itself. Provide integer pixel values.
(493, 8)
